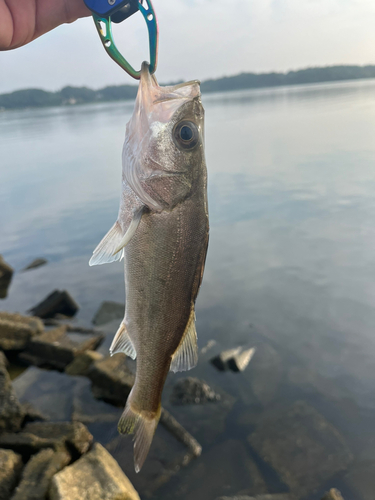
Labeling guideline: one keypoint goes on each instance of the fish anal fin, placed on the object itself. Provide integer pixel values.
(186, 355)
(103, 253)
(122, 343)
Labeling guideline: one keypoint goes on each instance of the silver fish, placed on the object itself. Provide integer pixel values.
(162, 234)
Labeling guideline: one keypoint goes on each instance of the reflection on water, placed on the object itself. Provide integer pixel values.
(291, 257)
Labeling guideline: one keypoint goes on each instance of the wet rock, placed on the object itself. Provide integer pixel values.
(57, 302)
(35, 436)
(55, 349)
(273, 496)
(16, 330)
(6, 273)
(95, 476)
(191, 390)
(221, 360)
(40, 387)
(361, 479)
(302, 446)
(108, 311)
(225, 469)
(10, 468)
(82, 362)
(11, 414)
(31, 414)
(210, 344)
(38, 472)
(265, 373)
(333, 494)
(239, 362)
(111, 378)
(35, 263)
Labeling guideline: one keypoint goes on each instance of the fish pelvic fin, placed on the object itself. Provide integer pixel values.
(122, 343)
(186, 355)
(143, 425)
(104, 252)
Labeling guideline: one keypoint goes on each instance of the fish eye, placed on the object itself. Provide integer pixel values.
(186, 135)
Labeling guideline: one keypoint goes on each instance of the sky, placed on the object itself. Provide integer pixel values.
(201, 39)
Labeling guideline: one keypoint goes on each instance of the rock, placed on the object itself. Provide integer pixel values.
(11, 415)
(111, 378)
(31, 414)
(333, 494)
(38, 472)
(35, 263)
(40, 387)
(82, 362)
(56, 302)
(225, 469)
(16, 330)
(36, 436)
(239, 362)
(95, 476)
(302, 446)
(55, 349)
(210, 344)
(272, 496)
(10, 469)
(192, 391)
(6, 273)
(108, 311)
(265, 373)
(360, 478)
(221, 360)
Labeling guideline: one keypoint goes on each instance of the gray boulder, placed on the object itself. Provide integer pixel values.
(6, 273)
(38, 472)
(111, 379)
(11, 414)
(60, 436)
(302, 446)
(82, 362)
(95, 476)
(333, 494)
(55, 349)
(108, 311)
(272, 496)
(57, 302)
(16, 330)
(10, 469)
(191, 390)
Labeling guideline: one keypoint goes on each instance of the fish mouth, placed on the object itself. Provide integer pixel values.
(169, 98)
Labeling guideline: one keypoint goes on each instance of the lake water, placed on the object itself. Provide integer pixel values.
(290, 267)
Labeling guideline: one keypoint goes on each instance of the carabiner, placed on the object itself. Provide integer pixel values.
(104, 27)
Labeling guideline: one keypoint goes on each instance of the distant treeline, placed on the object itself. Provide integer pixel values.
(31, 98)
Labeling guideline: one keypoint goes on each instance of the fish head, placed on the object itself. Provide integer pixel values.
(163, 155)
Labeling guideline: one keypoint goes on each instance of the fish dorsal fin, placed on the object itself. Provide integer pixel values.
(186, 355)
(111, 247)
(104, 252)
(122, 343)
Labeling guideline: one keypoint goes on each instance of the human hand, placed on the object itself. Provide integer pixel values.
(21, 21)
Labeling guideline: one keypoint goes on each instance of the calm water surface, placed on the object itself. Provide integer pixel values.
(291, 259)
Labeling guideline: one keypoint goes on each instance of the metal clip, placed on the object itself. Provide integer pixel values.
(104, 27)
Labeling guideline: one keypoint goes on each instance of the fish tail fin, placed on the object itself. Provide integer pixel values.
(143, 425)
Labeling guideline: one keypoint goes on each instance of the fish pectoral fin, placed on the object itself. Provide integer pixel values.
(137, 216)
(186, 355)
(122, 343)
(104, 252)
(111, 247)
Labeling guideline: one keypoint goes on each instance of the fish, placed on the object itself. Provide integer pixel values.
(161, 233)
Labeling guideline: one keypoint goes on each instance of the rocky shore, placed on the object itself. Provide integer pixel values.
(61, 396)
